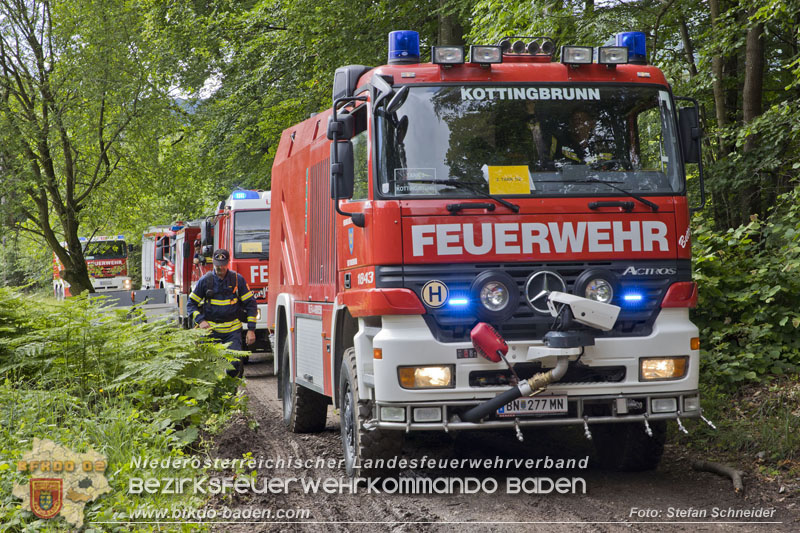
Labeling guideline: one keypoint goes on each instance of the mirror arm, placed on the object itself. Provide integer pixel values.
(357, 218)
(696, 105)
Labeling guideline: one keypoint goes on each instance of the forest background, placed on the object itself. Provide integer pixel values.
(122, 114)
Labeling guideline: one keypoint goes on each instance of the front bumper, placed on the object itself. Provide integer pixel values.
(406, 340)
(582, 410)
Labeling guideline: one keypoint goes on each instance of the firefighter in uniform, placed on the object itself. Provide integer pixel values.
(215, 304)
(583, 147)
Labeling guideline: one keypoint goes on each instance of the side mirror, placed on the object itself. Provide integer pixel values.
(344, 126)
(207, 234)
(397, 100)
(690, 133)
(130, 248)
(691, 136)
(342, 175)
(208, 250)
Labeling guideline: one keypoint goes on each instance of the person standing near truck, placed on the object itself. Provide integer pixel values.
(218, 301)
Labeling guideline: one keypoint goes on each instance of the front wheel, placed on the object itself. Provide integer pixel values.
(628, 448)
(304, 410)
(364, 451)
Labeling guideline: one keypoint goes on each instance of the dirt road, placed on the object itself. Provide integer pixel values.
(674, 498)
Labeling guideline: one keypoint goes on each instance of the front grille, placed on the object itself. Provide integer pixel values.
(577, 372)
(453, 324)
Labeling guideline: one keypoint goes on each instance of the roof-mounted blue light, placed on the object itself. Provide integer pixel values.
(246, 195)
(634, 41)
(403, 47)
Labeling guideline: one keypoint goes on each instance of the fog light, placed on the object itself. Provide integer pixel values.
(691, 404)
(612, 55)
(663, 405)
(258, 315)
(447, 55)
(393, 414)
(662, 368)
(426, 377)
(427, 414)
(485, 54)
(126, 284)
(576, 55)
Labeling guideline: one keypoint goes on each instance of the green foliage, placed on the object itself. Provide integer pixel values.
(86, 377)
(760, 421)
(749, 279)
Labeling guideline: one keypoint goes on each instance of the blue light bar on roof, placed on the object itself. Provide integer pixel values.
(246, 195)
(403, 47)
(634, 41)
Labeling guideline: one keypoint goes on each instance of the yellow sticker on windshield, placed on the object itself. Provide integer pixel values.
(251, 247)
(509, 180)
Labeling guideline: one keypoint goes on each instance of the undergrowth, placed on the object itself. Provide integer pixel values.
(85, 378)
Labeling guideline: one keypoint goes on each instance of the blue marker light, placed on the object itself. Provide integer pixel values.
(458, 302)
(403, 47)
(632, 297)
(246, 195)
(634, 41)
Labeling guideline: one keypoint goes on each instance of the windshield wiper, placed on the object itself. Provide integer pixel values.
(633, 195)
(462, 185)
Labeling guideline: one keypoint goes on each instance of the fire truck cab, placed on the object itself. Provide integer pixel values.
(467, 192)
(241, 225)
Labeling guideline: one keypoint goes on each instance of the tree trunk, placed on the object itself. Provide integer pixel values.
(451, 32)
(717, 69)
(752, 92)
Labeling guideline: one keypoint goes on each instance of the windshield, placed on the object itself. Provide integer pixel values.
(529, 141)
(251, 234)
(105, 250)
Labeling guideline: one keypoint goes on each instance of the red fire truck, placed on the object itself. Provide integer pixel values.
(107, 262)
(545, 199)
(190, 265)
(158, 259)
(241, 225)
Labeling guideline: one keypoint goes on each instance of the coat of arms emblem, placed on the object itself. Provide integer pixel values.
(46, 496)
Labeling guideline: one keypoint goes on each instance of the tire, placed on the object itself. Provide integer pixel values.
(304, 410)
(359, 444)
(627, 448)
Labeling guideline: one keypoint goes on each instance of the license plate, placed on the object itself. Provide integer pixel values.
(538, 405)
(106, 282)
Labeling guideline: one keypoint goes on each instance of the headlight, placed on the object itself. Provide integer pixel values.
(494, 296)
(600, 290)
(426, 377)
(127, 284)
(596, 284)
(661, 368)
(258, 315)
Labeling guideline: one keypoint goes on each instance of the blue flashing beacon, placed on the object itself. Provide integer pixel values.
(246, 195)
(403, 47)
(634, 41)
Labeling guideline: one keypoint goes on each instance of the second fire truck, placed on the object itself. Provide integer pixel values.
(241, 225)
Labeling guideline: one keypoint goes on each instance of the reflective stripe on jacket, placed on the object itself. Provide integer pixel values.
(218, 301)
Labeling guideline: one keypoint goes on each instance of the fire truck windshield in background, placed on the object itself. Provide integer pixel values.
(105, 250)
(522, 140)
(251, 234)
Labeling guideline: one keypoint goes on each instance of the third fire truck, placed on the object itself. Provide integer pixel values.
(241, 225)
(537, 204)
